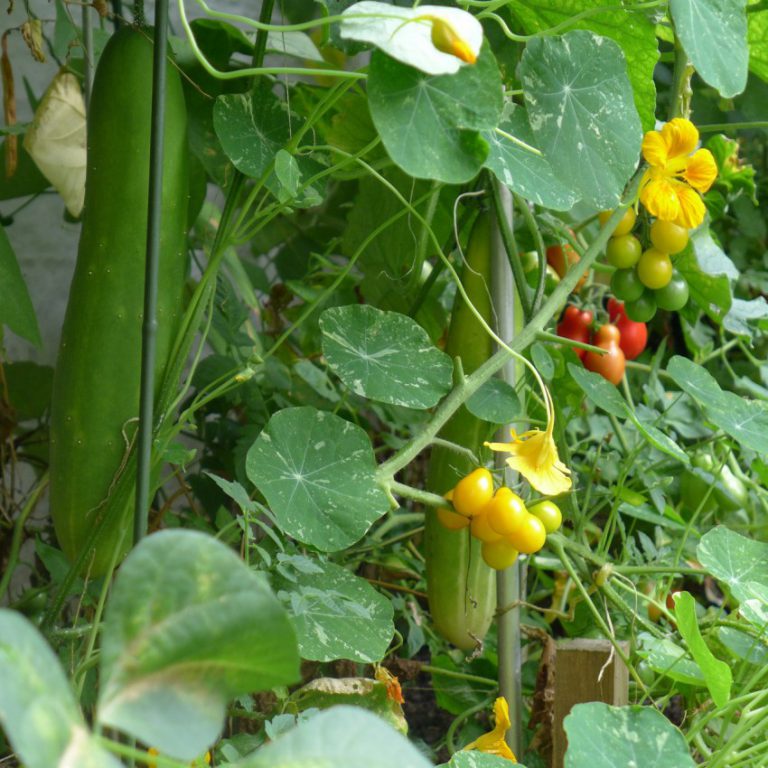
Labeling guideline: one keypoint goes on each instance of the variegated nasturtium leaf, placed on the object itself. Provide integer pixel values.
(316, 471)
(340, 737)
(384, 356)
(582, 112)
(714, 35)
(602, 736)
(495, 402)
(634, 32)
(524, 172)
(38, 711)
(337, 615)
(430, 123)
(188, 627)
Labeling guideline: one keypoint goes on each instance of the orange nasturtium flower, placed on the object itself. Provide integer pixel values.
(446, 38)
(670, 189)
(493, 742)
(534, 455)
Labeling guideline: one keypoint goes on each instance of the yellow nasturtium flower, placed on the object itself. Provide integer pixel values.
(670, 189)
(534, 455)
(493, 742)
(446, 38)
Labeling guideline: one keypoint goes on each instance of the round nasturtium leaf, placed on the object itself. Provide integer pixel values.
(316, 471)
(385, 356)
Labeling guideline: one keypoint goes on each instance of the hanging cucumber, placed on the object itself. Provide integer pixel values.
(461, 587)
(95, 400)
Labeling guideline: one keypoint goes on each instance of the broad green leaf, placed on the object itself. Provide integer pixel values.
(659, 440)
(714, 35)
(745, 420)
(643, 512)
(38, 711)
(287, 172)
(372, 695)
(743, 645)
(340, 737)
(742, 313)
(667, 658)
(475, 759)
(384, 356)
(429, 123)
(16, 310)
(187, 628)
(316, 471)
(601, 392)
(754, 606)
(297, 44)
(711, 292)
(522, 171)
(710, 256)
(29, 388)
(601, 736)
(581, 109)
(633, 31)
(406, 34)
(495, 402)
(757, 37)
(735, 560)
(716, 672)
(252, 128)
(26, 181)
(336, 614)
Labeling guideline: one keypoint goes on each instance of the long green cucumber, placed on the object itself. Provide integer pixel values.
(96, 385)
(460, 586)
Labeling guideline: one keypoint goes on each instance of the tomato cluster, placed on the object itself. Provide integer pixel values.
(561, 257)
(500, 520)
(646, 279)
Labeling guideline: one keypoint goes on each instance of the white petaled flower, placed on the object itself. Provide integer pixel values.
(432, 38)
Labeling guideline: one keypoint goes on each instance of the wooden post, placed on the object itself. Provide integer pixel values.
(577, 679)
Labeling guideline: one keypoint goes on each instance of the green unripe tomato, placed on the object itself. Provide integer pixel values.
(549, 514)
(654, 269)
(674, 295)
(668, 237)
(626, 285)
(624, 251)
(643, 309)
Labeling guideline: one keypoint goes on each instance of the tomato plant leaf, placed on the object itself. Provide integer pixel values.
(734, 559)
(384, 356)
(342, 737)
(16, 310)
(659, 440)
(601, 736)
(521, 170)
(429, 123)
(669, 659)
(581, 109)
(187, 628)
(38, 710)
(252, 128)
(745, 420)
(337, 615)
(495, 402)
(601, 392)
(316, 471)
(716, 672)
(633, 31)
(714, 35)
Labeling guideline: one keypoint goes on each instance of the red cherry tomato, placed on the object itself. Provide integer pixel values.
(575, 325)
(611, 364)
(634, 336)
(556, 258)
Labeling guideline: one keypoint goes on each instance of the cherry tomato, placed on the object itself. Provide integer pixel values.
(668, 237)
(473, 492)
(499, 554)
(654, 269)
(625, 225)
(451, 520)
(505, 511)
(481, 528)
(575, 325)
(626, 285)
(634, 336)
(643, 309)
(674, 295)
(556, 258)
(612, 363)
(549, 514)
(530, 536)
(624, 251)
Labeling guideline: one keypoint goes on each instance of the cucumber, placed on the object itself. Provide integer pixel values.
(460, 586)
(95, 401)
